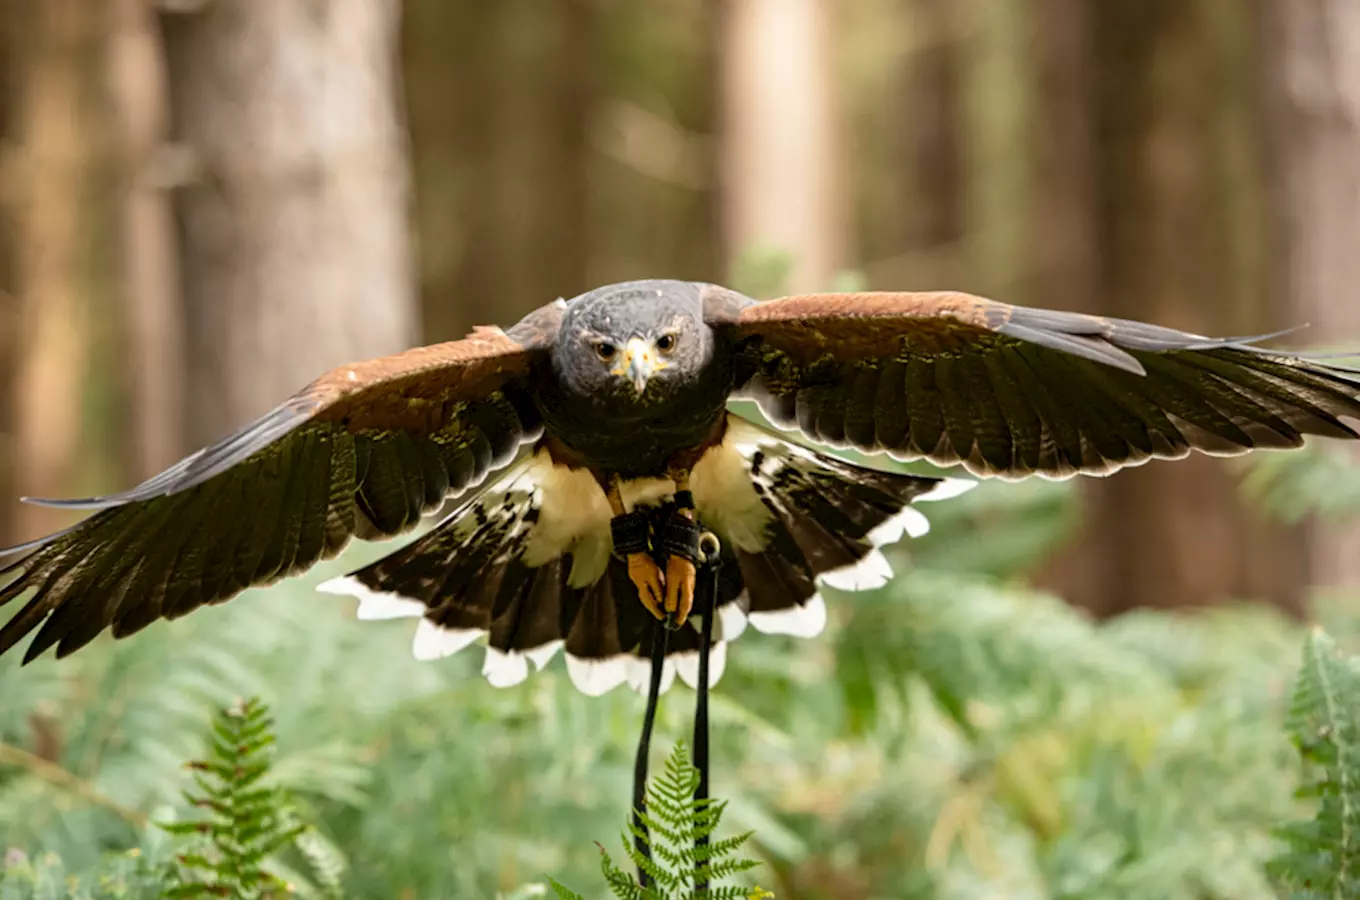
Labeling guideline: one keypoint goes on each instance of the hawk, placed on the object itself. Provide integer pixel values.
(549, 433)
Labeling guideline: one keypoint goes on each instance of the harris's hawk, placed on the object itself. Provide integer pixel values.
(618, 399)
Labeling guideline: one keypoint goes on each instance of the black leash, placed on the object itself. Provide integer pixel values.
(705, 605)
(660, 638)
(706, 599)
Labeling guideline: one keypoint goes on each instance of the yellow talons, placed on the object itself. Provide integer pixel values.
(646, 577)
(681, 576)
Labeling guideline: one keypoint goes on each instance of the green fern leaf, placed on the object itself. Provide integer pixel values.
(673, 819)
(1323, 859)
(562, 891)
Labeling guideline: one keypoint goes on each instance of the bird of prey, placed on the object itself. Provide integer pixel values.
(549, 432)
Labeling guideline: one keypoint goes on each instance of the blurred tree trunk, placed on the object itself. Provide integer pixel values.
(1315, 51)
(152, 343)
(296, 255)
(1178, 237)
(1064, 242)
(48, 183)
(1063, 239)
(781, 180)
(448, 59)
(998, 105)
(501, 97)
(930, 133)
(10, 29)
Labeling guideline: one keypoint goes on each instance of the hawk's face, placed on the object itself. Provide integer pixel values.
(637, 342)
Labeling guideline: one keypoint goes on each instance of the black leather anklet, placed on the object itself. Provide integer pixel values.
(680, 537)
(632, 533)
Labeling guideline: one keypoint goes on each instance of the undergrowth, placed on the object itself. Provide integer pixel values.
(1323, 856)
(234, 848)
(237, 845)
(951, 736)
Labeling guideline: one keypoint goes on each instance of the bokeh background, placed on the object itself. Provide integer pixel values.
(1074, 690)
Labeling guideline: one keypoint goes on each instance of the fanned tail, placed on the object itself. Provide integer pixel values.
(505, 567)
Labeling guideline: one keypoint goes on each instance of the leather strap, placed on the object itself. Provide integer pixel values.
(705, 606)
(632, 533)
(679, 536)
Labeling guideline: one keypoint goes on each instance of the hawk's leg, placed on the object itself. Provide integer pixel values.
(642, 569)
(681, 572)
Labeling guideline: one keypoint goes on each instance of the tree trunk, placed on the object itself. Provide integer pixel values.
(930, 133)
(1175, 244)
(501, 98)
(1064, 244)
(1063, 241)
(998, 105)
(51, 255)
(10, 29)
(780, 160)
(1316, 136)
(296, 256)
(153, 329)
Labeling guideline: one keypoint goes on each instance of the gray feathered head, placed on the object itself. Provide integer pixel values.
(640, 339)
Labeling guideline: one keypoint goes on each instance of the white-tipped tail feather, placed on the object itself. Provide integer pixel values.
(869, 574)
(433, 642)
(541, 656)
(687, 665)
(373, 605)
(948, 489)
(640, 673)
(731, 622)
(806, 621)
(594, 677)
(504, 669)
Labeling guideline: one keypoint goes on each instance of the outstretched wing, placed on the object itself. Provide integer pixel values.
(363, 451)
(1013, 392)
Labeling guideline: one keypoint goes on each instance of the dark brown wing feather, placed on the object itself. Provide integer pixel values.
(1013, 392)
(363, 451)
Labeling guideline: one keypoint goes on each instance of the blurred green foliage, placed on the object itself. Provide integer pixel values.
(953, 735)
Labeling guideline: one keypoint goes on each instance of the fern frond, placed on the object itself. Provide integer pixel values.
(327, 861)
(724, 893)
(246, 823)
(562, 891)
(674, 821)
(1323, 859)
(659, 873)
(658, 822)
(620, 882)
(718, 849)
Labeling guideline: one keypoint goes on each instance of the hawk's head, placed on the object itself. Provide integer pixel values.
(640, 340)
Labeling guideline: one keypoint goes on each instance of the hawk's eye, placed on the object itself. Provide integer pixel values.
(665, 343)
(606, 351)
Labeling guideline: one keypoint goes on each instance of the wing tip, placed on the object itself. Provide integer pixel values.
(75, 503)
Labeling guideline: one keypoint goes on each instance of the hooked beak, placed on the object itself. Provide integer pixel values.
(638, 363)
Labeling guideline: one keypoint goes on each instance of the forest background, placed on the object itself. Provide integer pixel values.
(1074, 690)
